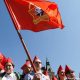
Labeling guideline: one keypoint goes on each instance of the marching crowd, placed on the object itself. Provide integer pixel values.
(7, 71)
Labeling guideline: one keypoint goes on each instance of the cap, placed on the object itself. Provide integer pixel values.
(9, 60)
(60, 69)
(68, 69)
(36, 59)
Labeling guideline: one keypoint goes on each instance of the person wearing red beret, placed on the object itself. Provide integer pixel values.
(61, 73)
(27, 71)
(9, 71)
(69, 73)
(38, 65)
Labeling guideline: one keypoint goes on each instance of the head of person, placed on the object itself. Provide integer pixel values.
(69, 72)
(26, 67)
(9, 66)
(37, 63)
(61, 73)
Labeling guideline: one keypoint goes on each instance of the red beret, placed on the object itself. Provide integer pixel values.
(59, 69)
(27, 64)
(36, 59)
(68, 69)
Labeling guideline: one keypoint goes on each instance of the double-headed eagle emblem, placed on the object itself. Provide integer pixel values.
(38, 14)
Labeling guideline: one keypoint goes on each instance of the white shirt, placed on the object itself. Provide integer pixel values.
(28, 77)
(12, 76)
(43, 77)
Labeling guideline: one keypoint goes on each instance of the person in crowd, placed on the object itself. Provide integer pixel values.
(27, 71)
(9, 73)
(61, 73)
(45, 72)
(69, 73)
(38, 65)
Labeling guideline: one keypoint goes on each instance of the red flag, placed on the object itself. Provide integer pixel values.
(2, 60)
(34, 15)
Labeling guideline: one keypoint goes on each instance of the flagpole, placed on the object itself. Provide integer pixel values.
(20, 37)
(26, 50)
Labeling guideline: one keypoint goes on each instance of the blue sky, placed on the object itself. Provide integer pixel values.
(61, 47)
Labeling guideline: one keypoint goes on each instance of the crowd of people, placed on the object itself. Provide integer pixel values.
(7, 71)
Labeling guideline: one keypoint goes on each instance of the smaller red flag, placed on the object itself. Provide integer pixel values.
(2, 60)
(34, 15)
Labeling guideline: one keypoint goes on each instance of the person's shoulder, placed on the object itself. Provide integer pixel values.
(17, 75)
(44, 77)
(2, 74)
(28, 76)
(32, 73)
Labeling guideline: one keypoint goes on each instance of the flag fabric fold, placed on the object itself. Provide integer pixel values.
(34, 15)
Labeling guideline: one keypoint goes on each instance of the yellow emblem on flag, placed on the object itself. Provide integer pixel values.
(38, 14)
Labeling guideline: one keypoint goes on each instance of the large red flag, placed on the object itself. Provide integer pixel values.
(34, 15)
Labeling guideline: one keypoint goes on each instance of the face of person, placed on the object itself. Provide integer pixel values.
(27, 69)
(71, 75)
(38, 65)
(9, 68)
(61, 74)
